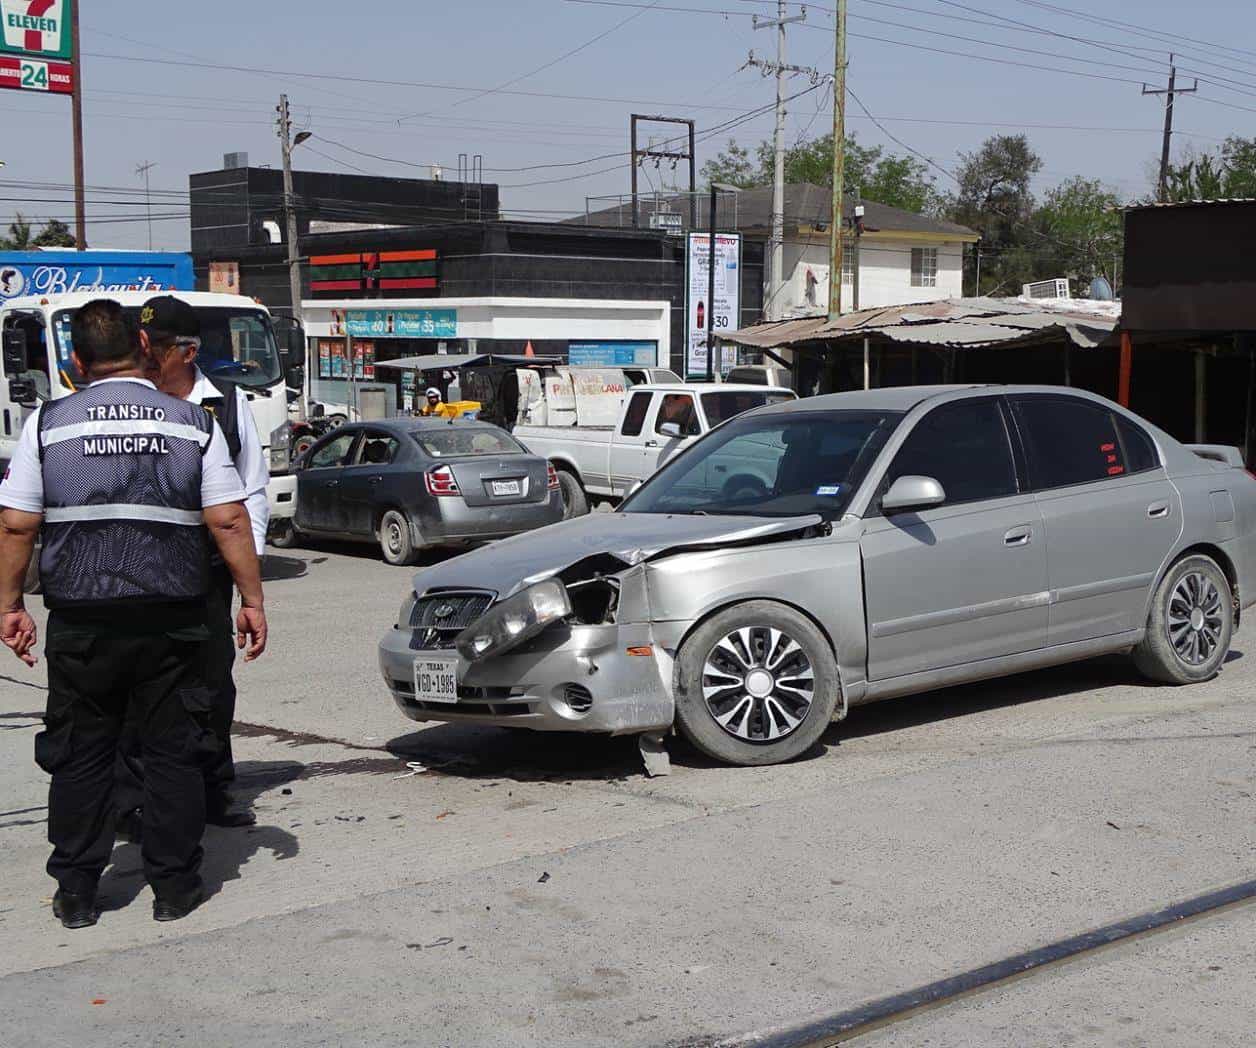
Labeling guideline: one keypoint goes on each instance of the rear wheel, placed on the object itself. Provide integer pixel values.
(575, 501)
(1190, 624)
(284, 534)
(756, 684)
(395, 539)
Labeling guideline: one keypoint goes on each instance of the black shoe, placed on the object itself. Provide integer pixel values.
(75, 911)
(175, 907)
(129, 825)
(220, 811)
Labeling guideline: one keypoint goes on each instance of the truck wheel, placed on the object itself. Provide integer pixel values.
(284, 534)
(1190, 624)
(755, 684)
(394, 538)
(575, 501)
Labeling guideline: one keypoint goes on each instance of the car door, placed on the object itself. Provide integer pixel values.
(627, 451)
(680, 410)
(966, 580)
(1110, 513)
(363, 478)
(318, 495)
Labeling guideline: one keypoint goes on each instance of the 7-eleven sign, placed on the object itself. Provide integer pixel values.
(36, 27)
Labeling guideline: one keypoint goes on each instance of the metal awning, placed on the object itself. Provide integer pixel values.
(452, 361)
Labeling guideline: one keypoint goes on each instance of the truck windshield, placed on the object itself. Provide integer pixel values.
(771, 465)
(236, 344)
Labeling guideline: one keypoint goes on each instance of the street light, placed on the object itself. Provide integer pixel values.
(716, 189)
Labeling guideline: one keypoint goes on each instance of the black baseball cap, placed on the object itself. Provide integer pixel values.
(168, 317)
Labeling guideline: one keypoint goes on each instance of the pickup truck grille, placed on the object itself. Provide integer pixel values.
(438, 618)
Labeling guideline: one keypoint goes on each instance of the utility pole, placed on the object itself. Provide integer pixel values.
(143, 170)
(76, 110)
(839, 164)
(1169, 95)
(289, 209)
(663, 154)
(776, 247)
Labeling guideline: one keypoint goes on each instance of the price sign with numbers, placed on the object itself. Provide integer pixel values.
(722, 314)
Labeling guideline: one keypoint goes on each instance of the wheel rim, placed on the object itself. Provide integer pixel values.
(392, 531)
(758, 684)
(1195, 618)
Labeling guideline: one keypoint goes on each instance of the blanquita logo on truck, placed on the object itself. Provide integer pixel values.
(56, 280)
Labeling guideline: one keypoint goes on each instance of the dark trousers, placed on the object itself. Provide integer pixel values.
(219, 767)
(144, 667)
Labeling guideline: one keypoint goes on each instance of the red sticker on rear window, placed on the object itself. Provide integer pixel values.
(1114, 470)
(1107, 447)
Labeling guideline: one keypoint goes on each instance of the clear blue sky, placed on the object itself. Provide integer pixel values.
(182, 117)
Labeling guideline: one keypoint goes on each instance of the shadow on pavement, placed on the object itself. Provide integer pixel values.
(227, 851)
(276, 568)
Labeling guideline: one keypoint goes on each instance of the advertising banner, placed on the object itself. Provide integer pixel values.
(34, 74)
(224, 277)
(40, 28)
(613, 354)
(56, 272)
(724, 311)
(396, 323)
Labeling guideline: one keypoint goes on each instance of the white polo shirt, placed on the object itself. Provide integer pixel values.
(23, 485)
(250, 464)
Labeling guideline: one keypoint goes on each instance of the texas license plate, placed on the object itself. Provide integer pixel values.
(436, 678)
(506, 487)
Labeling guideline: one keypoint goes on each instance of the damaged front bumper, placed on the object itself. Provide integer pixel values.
(569, 678)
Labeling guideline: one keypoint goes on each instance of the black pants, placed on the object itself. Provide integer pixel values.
(144, 667)
(219, 767)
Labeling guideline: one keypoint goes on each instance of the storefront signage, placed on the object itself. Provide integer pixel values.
(374, 271)
(724, 312)
(333, 360)
(395, 323)
(36, 27)
(34, 74)
(56, 272)
(613, 354)
(224, 277)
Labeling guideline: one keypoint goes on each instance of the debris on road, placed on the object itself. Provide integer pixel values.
(444, 814)
(654, 753)
(1113, 825)
(543, 878)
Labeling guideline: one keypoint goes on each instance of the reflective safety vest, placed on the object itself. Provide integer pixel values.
(122, 496)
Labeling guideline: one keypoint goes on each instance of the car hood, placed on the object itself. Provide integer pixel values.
(511, 564)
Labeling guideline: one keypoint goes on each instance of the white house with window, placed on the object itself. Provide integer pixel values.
(901, 257)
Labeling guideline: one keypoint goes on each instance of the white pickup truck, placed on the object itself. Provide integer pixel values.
(654, 423)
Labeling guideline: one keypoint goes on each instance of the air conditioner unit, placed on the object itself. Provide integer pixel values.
(231, 161)
(1046, 289)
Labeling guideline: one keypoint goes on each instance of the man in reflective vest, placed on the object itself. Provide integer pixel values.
(170, 331)
(128, 485)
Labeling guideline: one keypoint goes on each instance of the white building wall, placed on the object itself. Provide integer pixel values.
(885, 275)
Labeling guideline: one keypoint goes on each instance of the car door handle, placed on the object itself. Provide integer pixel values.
(1158, 510)
(651, 443)
(375, 480)
(1018, 536)
(333, 483)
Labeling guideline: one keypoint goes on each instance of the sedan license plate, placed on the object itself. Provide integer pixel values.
(436, 678)
(506, 487)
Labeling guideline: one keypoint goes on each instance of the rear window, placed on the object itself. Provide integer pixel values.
(720, 407)
(1073, 441)
(452, 441)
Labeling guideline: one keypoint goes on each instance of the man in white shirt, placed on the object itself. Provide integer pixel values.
(170, 332)
(122, 480)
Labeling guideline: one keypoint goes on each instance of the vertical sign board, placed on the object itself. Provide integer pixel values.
(35, 45)
(725, 310)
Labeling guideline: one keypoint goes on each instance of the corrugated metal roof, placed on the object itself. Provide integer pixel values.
(1153, 205)
(955, 323)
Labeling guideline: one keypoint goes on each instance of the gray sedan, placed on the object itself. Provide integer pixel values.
(411, 484)
(906, 539)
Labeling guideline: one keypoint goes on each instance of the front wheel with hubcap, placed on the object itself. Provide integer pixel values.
(394, 538)
(1190, 624)
(755, 684)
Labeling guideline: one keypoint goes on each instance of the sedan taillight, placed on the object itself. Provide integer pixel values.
(440, 481)
(551, 476)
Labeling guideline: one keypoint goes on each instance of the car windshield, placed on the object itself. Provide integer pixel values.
(773, 465)
(447, 441)
(720, 407)
(236, 344)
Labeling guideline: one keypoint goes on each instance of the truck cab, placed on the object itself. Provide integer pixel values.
(239, 344)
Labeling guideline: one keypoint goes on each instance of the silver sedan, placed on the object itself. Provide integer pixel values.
(905, 539)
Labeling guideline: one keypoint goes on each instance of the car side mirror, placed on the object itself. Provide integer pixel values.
(912, 493)
(291, 339)
(16, 358)
(670, 429)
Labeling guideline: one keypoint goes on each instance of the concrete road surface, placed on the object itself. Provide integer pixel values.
(539, 890)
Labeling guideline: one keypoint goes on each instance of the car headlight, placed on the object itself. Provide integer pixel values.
(281, 447)
(514, 620)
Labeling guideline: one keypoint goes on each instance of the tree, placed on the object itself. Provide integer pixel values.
(994, 198)
(55, 234)
(893, 180)
(19, 238)
(1228, 173)
(1081, 233)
